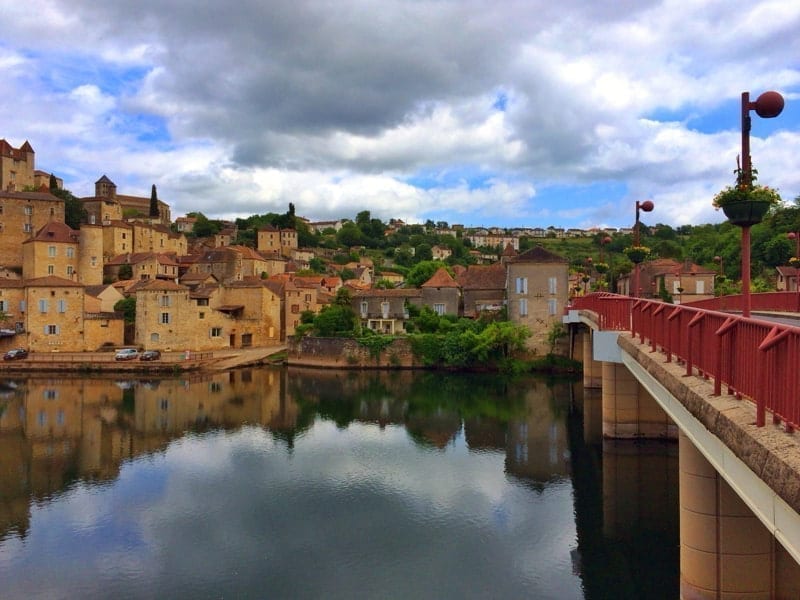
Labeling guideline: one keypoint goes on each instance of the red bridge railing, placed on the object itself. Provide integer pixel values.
(751, 358)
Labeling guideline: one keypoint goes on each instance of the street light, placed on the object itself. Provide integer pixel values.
(767, 106)
(646, 206)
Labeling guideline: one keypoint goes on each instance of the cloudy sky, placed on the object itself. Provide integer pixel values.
(508, 113)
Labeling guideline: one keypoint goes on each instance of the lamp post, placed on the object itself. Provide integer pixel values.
(603, 242)
(796, 236)
(767, 106)
(646, 206)
(718, 259)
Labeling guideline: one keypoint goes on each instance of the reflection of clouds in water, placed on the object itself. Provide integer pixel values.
(235, 512)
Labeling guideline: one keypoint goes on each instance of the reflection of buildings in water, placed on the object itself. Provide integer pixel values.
(54, 430)
(438, 429)
(485, 433)
(538, 446)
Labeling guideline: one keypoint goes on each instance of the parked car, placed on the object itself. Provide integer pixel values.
(150, 355)
(126, 354)
(16, 354)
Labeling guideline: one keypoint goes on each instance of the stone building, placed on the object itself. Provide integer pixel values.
(107, 204)
(22, 214)
(442, 294)
(17, 166)
(537, 292)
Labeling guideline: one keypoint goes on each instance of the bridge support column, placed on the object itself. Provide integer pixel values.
(629, 411)
(725, 550)
(592, 369)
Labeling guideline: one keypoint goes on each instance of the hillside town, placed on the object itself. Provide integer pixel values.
(60, 287)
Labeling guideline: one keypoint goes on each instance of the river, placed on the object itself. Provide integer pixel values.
(300, 483)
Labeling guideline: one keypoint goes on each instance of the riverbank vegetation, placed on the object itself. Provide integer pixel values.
(444, 341)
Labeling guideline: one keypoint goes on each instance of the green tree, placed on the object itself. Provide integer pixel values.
(125, 272)
(203, 226)
(127, 306)
(421, 272)
(154, 213)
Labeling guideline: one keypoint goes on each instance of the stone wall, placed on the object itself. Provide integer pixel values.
(346, 353)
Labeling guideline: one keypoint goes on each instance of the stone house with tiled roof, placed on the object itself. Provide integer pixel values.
(234, 263)
(144, 265)
(22, 214)
(56, 318)
(442, 293)
(238, 314)
(483, 289)
(54, 250)
(684, 281)
(786, 281)
(385, 310)
(537, 291)
(17, 166)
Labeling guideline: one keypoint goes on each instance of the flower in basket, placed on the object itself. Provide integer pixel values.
(637, 254)
(744, 193)
(794, 262)
(601, 267)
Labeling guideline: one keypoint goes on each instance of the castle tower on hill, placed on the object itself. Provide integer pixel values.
(17, 167)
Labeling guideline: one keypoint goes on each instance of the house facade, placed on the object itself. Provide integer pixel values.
(537, 292)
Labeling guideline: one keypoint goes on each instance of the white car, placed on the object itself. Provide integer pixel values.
(126, 354)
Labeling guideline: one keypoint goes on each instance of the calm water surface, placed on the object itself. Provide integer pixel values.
(321, 484)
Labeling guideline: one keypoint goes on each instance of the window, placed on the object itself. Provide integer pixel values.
(164, 301)
(295, 308)
(94, 261)
(216, 332)
(438, 308)
(700, 287)
(202, 315)
(28, 211)
(523, 307)
(385, 310)
(154, 337)
(552, 307)
(50, 394)
(202, 302)
(364, 308)
(22, 306)
(42, 305)
(552, 285)
(51, 269)
(62, 306)
(27, 227)
(165, 318)
(51, 329)
(3, 306)
(60, 420)
(308, 297)
(42, 418)
(675, 285)
(70, 270)
(51, 251)
(522, 285)
(70, 252)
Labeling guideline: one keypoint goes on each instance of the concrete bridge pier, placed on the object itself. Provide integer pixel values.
(592, 369)
(725, 550)
(629, 411)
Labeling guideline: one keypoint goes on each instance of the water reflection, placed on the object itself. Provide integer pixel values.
(329, 448)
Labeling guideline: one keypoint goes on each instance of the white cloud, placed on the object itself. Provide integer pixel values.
(241, 104)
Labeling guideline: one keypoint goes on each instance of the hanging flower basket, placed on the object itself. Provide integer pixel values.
(746, 205)
(637, 254)
(794, 262)
(601, 267)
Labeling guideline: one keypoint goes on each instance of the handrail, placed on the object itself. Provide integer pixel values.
(753, 358)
